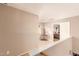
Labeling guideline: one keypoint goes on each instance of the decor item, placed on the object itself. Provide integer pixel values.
(56, 33)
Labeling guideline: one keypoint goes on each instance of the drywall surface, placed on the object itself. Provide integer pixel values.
(62, 49)
(74, 30)
(18, 31)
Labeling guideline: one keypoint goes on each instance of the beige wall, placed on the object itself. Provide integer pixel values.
(74, 28)
(18, 31)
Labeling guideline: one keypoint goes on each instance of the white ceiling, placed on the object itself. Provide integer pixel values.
(47, 11)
